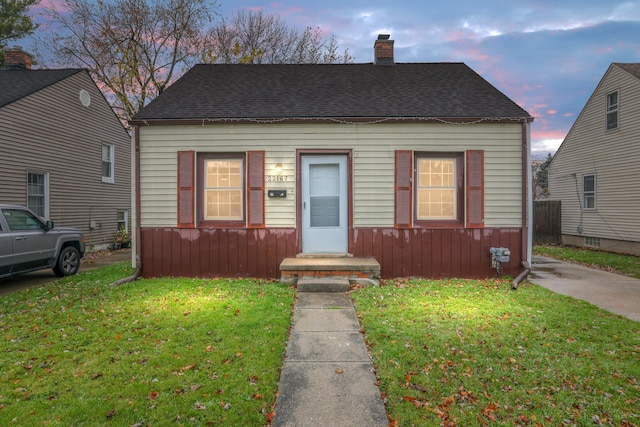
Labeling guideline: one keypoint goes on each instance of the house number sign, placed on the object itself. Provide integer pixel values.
(277, 178)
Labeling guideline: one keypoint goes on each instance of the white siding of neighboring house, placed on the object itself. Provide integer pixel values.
(51, 131)
(373, 148)
(613, 156)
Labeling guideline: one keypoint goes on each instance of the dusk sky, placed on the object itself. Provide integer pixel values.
(546, 55)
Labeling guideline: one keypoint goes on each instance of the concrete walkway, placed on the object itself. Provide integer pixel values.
(327, 377)
(613, 292)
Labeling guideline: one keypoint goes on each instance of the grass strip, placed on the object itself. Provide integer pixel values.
(616, 263)
(476, 353)
(151, 352)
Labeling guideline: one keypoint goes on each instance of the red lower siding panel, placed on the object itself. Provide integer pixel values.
(428, 253)
(177, 252)
(438, 253)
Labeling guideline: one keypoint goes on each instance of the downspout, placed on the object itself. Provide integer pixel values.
(137, 244)
(527, 206)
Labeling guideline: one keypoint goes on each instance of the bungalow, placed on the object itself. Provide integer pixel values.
(420, 168)
(595, 171)
(63, 151)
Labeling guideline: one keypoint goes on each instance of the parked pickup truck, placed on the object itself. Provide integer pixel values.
(29, 243)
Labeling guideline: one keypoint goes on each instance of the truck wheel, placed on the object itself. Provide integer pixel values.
(68, 262)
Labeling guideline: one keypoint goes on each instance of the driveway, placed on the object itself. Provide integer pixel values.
(37, 278)
(613, 292)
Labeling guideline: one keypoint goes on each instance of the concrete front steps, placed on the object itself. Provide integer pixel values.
(329, 273)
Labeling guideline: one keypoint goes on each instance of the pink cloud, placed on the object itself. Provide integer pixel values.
(43, 5)
(568, 114)
(548, 134)
(552, 112)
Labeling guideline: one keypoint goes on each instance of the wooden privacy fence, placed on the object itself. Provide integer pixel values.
(547, 222)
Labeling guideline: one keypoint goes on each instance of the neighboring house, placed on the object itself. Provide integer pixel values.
(421, 166)
(595, 172)
(63, 151)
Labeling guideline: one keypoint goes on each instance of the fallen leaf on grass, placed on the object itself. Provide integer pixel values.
(111, 414)
(153, 395)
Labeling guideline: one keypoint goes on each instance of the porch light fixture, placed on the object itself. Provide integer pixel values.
(279, 167)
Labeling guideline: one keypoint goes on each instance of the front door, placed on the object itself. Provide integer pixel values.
(324, 204)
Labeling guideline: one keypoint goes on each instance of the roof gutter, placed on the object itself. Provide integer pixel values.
(339, 120)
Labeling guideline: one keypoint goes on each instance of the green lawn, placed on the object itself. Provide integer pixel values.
(476, 353)
(619, 263)
(201, 352)
(154, 352)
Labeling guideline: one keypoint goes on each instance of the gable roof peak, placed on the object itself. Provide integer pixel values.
(632, 68)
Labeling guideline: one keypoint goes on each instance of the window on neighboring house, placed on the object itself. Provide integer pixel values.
(123, 221)
(38, 193)
(589, 191)
(108, 155)
(612, 110)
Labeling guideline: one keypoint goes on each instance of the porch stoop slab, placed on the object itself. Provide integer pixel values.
(323, 285)
(363, 271)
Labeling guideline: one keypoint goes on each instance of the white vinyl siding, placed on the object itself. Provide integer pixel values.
(612, 156)
(373, 148)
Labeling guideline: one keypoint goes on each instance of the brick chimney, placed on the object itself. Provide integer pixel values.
(383, 50)
(17, 59)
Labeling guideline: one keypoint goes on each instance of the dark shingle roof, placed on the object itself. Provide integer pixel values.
(632, 68)
(434, 90)
(16, 84)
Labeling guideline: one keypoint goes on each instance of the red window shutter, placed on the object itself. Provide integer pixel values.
(255, 189)
(186, 188)
(403, 190)
(475, 188)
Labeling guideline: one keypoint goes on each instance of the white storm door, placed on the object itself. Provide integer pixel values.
(324, 204)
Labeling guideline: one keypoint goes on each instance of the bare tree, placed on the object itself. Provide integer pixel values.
(132, 48)
(258, 38)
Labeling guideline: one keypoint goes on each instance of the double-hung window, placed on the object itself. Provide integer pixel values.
(226, 190)
(108, 156)
(439, 187)
(589, 192)
(38, 193)
(440, 190)
(222, 180)
(223, 189)
(612, 110)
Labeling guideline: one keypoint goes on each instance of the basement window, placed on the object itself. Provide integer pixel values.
(593, 242)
